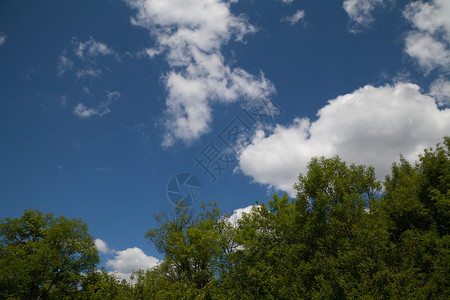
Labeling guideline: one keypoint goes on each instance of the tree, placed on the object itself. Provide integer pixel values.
(417, 208)
(103, 285)
(324, 243)
(341, 237)
(42, 256)
(194, 246)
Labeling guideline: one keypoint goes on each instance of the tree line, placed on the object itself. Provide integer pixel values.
(345, 235)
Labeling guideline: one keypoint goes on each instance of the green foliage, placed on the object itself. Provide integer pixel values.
(417, 206)
(195, 247)
(344, 236)
(316, 244)
(44, 257)
(101, 285)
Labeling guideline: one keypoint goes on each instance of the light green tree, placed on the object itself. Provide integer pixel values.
(194, 246)
(44, 257)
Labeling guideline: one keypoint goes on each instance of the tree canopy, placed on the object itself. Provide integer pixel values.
(345, 235)
(43, 257)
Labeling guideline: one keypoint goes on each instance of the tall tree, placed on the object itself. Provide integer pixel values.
(42, 256)
(417, 206)
(194, 245)
(315, 245)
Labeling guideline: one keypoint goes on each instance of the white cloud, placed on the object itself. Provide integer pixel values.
(88, 73)
(429, 52)
(86, 90)
(370, 126)
(91, 48)
(102, 246)
(82, 60)
(151, 52)
(238, 213)
(431, 17)
(360, 13)
(440, 89)
(429, 44)
(63, 101)
(3, 38)
(190, 33)
(286, 1)
(295, 18)
(129, 260)
(115, 95)
(103, 108)
(64, 64)
(83, 112)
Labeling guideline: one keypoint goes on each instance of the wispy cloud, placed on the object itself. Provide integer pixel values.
(102, 169)
(64, 64)
(86, 90)
(103, 108)
(3, 38)
(63, 101)
(371, 126)
(88, 73)
(360, 13)
(295, 18)
(141, 131)
(91, 49)
(83, 58)
(115, 95)
(190, 35)
(83, 112)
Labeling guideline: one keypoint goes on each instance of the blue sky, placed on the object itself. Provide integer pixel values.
(103, 102)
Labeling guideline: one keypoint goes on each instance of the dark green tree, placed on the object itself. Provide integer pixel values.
(102, 285)
(318, 244)
(44, 257)
(417, 208)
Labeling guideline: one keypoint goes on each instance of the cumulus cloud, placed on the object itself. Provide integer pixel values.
(431, 17)
(295, 18)
(190, 34)
(429, 43)
(427, 51)
(126, 261)
(102, 247)
(371, 126)
(238, 213)
(129, 260)
(2, 38)
(360, 13)
(287, 1)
